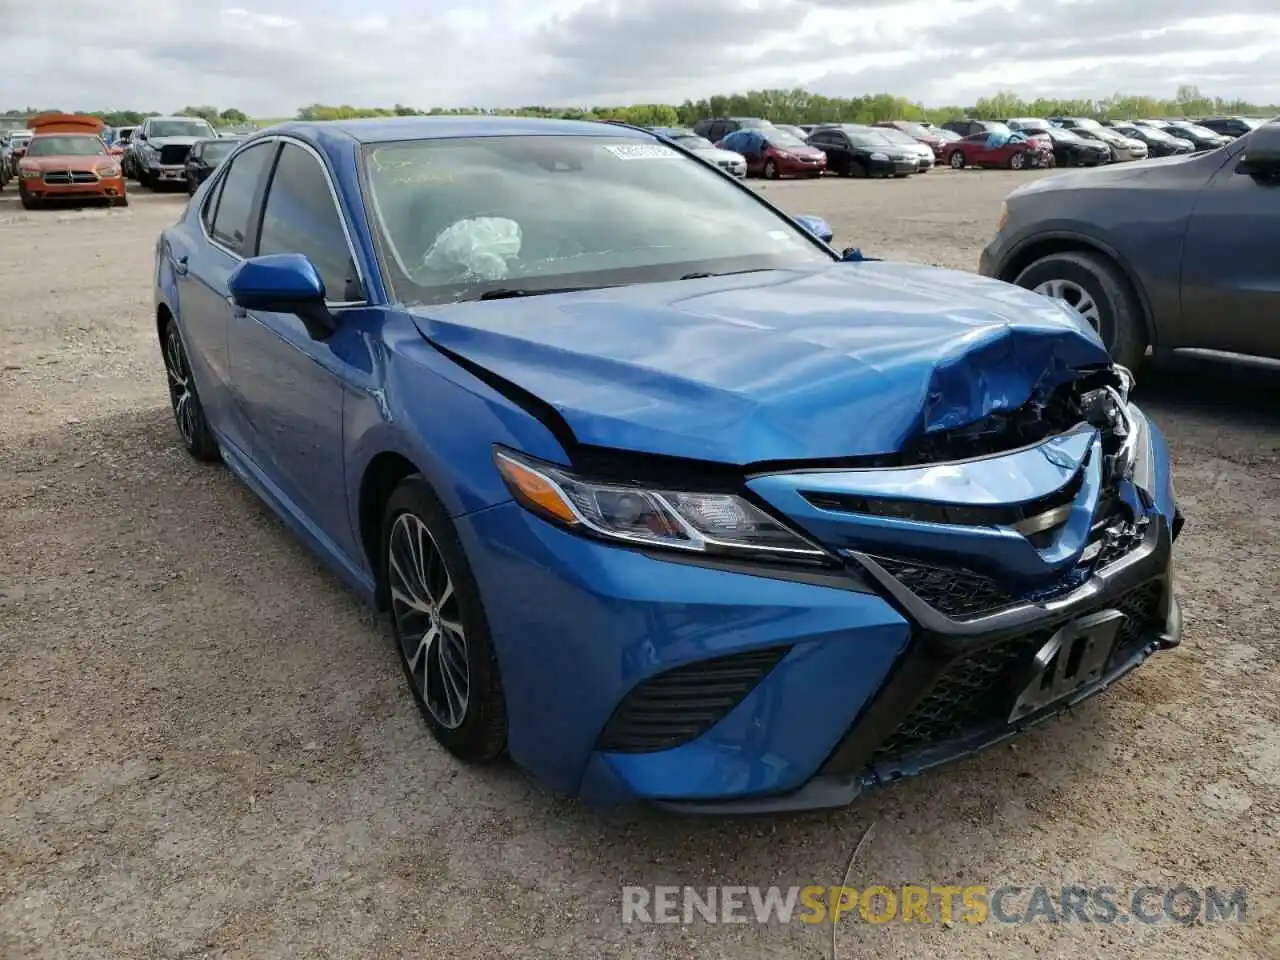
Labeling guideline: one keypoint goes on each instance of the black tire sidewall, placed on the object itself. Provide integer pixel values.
(482, 733)
(202, 445)
(1120, 318)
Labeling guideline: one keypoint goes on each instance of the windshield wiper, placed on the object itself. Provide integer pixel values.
(509, 293)
(703, 274)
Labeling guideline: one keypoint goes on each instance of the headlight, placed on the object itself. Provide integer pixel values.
(880, 157)
(709, 523)
(108, 171)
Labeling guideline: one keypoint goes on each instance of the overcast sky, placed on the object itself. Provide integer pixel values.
(268, 57)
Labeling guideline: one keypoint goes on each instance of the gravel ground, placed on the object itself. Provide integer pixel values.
(206, 749)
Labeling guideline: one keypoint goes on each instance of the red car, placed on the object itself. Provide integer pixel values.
(973, 151)
(930, 138)
(774, 153)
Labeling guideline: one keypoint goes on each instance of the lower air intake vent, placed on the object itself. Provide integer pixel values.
(681, 705)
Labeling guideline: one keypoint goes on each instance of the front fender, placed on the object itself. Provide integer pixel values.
(420, 405)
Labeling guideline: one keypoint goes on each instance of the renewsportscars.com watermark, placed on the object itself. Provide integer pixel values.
(909, 903)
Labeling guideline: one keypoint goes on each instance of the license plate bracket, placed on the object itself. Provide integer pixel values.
(1074, 657)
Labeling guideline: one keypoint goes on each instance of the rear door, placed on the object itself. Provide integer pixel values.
(1231, 264)
(291, 387)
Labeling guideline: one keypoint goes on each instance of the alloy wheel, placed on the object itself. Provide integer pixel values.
(957, 160)
(180, 395)
(428, 621)
(1074, 296)
(1017, 161)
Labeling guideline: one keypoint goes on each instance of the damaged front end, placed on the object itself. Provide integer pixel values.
(1033, 574)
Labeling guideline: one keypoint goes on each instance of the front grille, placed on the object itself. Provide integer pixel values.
(953, 591)
(173, 155)
(682, 704)
(63, 177)
(977, 691)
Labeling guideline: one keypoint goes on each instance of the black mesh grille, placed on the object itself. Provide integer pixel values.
(682, 704)
(172, 155)
(953, 591)
(977, 691)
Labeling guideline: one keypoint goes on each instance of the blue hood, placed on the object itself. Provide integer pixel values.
(840, 361)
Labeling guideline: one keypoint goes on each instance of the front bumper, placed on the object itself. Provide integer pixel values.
(782, 690)
(795, 167)
(105, 188)
(893, 168)
(167, 173)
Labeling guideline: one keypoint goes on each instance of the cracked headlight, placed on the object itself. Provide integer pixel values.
(721, 524)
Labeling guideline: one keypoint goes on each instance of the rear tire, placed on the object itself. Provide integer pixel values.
(1119, 324)
(434, 591)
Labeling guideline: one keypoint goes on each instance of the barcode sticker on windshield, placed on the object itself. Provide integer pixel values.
(642, 151)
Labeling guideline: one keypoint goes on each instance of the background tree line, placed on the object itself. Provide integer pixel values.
(801, 106)
(131, 118)
(781, 106)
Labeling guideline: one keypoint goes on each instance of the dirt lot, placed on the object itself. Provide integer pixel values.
(206, 749)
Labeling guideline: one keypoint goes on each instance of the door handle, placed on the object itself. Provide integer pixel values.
(180, 266)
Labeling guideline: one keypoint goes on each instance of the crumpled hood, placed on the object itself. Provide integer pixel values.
(854, 359)
(159, 142)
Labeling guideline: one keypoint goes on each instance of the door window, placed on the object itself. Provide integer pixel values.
(235, 197)
(300, 217)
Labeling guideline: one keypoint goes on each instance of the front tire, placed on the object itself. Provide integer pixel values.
(956, 160)
(1018, 161)
(770, 170)
(1094, 286)
(30, 203)
(188, 414)
(440, 627)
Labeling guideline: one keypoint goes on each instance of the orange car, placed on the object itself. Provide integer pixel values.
(67, 159)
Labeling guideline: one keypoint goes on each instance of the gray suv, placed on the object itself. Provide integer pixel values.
(157, 154)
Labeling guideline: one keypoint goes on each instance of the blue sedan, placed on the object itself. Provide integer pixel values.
(663, 495)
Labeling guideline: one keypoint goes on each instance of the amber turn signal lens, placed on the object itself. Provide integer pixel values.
(537, 492)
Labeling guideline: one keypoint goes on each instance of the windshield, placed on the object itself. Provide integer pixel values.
(780, 138)
(896, 136)
(992, 126)
(219, 149)
(1066, 136)
(867, 138)
(1192, 128)
(914, 130)
(1155, 133)
(1251, 123)
(1087, 123)
(692, 142)
(70, 146)
(792, 129)
(459, 218)
(180, 128)
(949, 135)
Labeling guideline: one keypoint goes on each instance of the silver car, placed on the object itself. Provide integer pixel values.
(727, 160)
(1122, 147)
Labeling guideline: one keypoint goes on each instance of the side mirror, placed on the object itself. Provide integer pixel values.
(283, 283)
(816, 226)
(1261, 157)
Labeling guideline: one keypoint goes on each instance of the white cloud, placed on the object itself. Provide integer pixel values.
(268, 57)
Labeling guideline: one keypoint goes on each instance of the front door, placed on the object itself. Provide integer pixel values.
(291, 387)
(1231, 265)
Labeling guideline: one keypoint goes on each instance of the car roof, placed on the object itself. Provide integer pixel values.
(387, 129)
(201, 119)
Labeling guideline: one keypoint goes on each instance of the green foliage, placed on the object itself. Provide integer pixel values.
(801, 106)
(781, 106)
